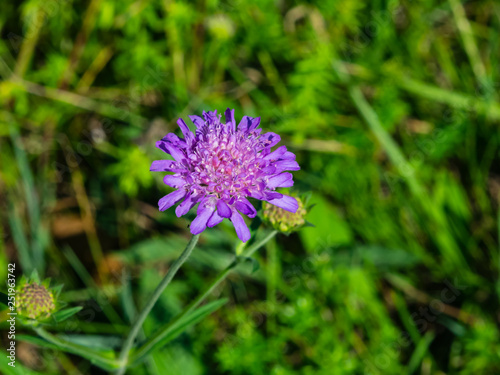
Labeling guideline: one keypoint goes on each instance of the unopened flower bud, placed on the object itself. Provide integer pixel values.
(282, 220)
(35, 301)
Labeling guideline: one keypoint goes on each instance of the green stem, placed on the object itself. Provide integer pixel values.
(252, 249)
(146, 347)
(127, 345)
(221, 276)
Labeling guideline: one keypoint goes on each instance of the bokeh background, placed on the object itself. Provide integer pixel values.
(392, 109)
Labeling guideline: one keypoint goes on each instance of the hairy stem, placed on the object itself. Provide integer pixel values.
(155, 339)
(134, 331)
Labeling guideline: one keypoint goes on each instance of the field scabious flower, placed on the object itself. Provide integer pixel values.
(220, 166)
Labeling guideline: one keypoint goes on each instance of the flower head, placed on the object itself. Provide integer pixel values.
(283, 220)
(220, 166)
(35, 301)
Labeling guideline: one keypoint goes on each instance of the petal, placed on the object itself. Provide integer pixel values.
(174, 181)
(161, 165)
(210, 116)
(269, 195)
(176, 153)
(257, 195)
(175, 140)
(223, 209)
(270, 139)
(240, 226)
(169, 200)
(230, 121)
(245, 207)
(214, 220)
(197, 121)
(276, 154)
(185, 206)
(286, 165)
(245, 123)
(286, 202)
(270, 170)
(288, 156)
(255, 123)
(162, 145)
(184, 129)
(199, 224)
(280, 180)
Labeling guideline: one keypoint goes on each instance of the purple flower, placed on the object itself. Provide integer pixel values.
(220, 167)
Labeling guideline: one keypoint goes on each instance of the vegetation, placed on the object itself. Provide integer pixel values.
(392, 108)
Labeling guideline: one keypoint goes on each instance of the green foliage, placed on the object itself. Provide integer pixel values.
(66, 313)
(392, 109)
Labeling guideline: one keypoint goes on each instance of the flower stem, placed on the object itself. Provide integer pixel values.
(152, 341)
(252, 249)
(134, 331)
(223, 274)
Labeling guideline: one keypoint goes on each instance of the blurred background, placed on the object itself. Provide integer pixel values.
(392, 110)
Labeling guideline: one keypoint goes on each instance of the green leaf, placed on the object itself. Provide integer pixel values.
(308, 224)
(175, 328)
(104, 359)
(98, 342)
(420, 351)
(66, 313)
(454, 326)
(57, 290)
(36, 341)
(35, 276)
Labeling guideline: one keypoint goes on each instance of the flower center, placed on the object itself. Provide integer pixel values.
(225, 164)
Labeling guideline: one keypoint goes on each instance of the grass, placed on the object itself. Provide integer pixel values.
(392, 109)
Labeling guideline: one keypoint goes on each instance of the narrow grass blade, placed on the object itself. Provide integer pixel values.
(420, 352)
(175, 328)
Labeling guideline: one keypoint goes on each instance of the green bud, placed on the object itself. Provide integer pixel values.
(283, 220)
(35, 301)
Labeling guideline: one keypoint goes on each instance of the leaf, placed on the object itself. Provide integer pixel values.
(104, 359)
(36, 341)
(454, 326)
(420, 351)
(35, 276)
(175, 328)
(66, 313)
(98, 342)
(56, 291)
(308, 224)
